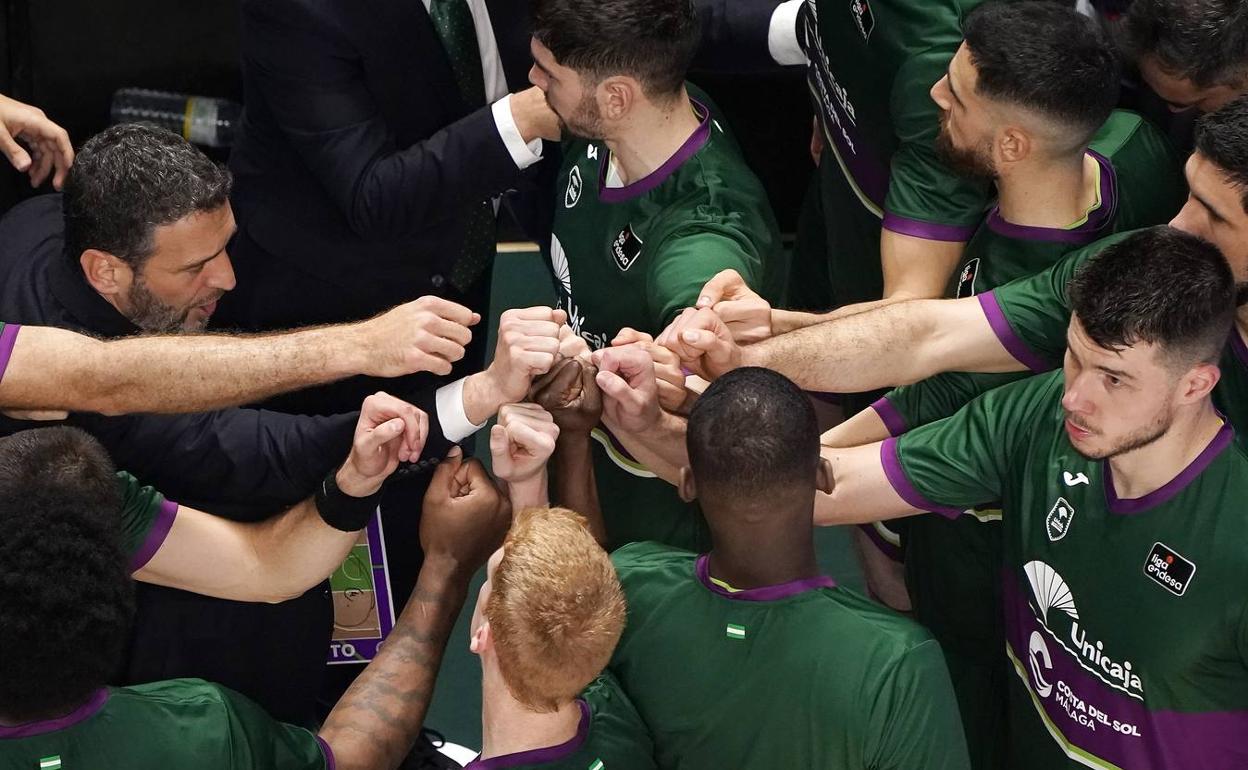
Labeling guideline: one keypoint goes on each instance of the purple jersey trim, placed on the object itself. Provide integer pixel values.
(1005, 333)
(328, 753)
(539, 756)
(927, 230)
(892, 418)
(660, 175)
(1239, 347)
(155, 536)
(8, 338)
(1173, 487)
(882, 545)
(1079, 236)
(80, 714)
(890, 458)
(764, 594)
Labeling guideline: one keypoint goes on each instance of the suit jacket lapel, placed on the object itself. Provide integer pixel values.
(512, 28)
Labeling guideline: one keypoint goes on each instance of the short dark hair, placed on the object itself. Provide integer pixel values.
(1204, 41)
(1222, 138)
(1045, 57)
(751, 434)
(1160, 286)
(651, 40)
(130, 179)
(66, 596)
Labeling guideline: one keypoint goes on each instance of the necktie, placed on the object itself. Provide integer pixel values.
(453, 21)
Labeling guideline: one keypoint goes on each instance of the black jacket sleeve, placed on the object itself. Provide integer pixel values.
(735, 36)
(310, 76)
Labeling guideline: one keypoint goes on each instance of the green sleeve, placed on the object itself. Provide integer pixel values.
(915, 716)
(925, 199)
(1030, 315)
(935, 398)
(257, 740)
(619, 735)
(964, 460)
(146, 518)
(689, 258)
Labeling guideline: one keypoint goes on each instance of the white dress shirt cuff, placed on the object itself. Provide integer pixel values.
(451, 415)
(782, 34)
(525, 154)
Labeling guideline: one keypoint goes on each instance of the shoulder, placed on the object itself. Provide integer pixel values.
(174, 695)
(649, 556)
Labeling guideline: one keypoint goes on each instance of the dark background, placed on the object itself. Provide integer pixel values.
(69, 56)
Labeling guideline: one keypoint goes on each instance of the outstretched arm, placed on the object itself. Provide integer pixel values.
(463, 521)
(861, 491)
(284, 556)
(57, 369)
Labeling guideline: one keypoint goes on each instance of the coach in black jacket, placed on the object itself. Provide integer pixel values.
(242, 463)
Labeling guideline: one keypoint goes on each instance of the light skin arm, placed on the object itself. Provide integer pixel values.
(861, 492)
(631, 410)
(866, 427)
(280, 558)
(376, 721)
(917, 268)
(47, 147)
(898, 344)
(57, 369)
(521, 443)
(530, 341)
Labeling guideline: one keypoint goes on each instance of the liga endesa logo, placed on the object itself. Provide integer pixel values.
(1168, 569)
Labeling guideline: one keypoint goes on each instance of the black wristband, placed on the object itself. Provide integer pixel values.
(342, 511)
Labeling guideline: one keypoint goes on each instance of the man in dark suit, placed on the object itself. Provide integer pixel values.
(377, 137)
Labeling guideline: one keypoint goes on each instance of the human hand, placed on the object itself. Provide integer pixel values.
(388, 432)
(702, 342)
(534, 117)
(746, 314)
(464, 516)
(522, 442)
(49, 146)
(630, 389)
(570, 394)
(426, 335)
(572, 345)
(673, 395)
(528, 345)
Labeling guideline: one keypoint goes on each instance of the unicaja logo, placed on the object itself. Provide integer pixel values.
(1056, 605)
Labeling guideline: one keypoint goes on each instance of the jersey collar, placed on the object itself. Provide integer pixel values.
(1173, 487)
(80, 714)
(1082, 232)
(660, 175)
(540, 756)
(764, 594)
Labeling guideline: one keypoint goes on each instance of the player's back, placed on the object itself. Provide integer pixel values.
(804, 674)
(186, 724)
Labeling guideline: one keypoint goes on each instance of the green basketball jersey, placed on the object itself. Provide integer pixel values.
(187, 724)
(638, 255)
(871, 66)
(1141, 184)
(146, 518)
(1030, 317)
(1126, 619)
(611, 736)
(800, 675)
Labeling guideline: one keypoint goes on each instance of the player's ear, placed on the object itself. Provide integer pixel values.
(823, 476)
(1198, 383)
(106, 273)
(687, 489)
(481, 639)
(1014, 144)
(616, 96)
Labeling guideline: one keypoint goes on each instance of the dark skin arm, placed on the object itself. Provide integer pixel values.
(464, 520)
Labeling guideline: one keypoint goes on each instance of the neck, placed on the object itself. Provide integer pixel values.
(510, 727)
(650, 136)
(758, 553)
(1052, 193)
(1147, 469)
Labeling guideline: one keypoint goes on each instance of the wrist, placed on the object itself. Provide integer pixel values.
(529, 493)
(355, 484)
(349, 349)
(483, 396)
(342, 510)
(444, 568)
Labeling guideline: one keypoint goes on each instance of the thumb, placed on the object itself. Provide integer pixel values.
(499, 446)
(450, 465)
(715, 288)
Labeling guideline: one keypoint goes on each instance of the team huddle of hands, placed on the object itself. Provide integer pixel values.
(542, 381)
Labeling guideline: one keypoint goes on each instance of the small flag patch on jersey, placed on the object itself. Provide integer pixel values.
(597, 764)
(734, 631)
(50, 763)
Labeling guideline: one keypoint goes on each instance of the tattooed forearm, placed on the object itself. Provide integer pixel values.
(377, 720)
